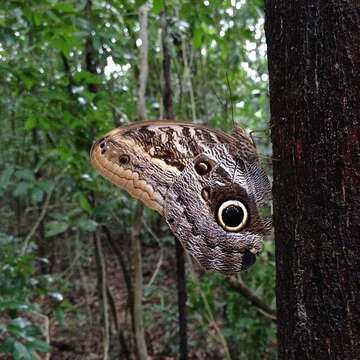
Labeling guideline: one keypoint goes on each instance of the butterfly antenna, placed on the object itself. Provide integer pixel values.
(231, 102)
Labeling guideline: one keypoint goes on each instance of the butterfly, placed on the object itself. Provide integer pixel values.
(209, 186)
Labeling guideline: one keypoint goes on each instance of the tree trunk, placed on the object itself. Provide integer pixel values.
(179, 250)
(314, 68)
(136, 254)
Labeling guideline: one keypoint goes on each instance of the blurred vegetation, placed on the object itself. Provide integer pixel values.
(53, 54)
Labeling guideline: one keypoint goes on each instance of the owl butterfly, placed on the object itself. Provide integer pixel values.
(207, 184)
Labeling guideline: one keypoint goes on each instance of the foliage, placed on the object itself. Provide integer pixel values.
(244, 330)
(19, 286)
(68, 74)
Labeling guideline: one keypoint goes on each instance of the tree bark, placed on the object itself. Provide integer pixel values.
(314, 68)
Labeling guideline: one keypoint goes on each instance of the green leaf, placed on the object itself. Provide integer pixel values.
(6, 177)
(25, 174)
(87, 225)
(37, 18)
(21, 189)
(7, 346)
(198, 37)
(30, 122)
(138, 3)
(53, 228)
(158, 5)
(34, 16)
(28, 81)
(21, 352)
(85, 205)
(64, 7)
(20, 322)
(60, 316)
(37, 195)
(13, 305)
(2, 17)
(40, 345)
(87, 77)
(65, 43)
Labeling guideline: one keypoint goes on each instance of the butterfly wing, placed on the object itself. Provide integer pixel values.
(187, 173)
(192, 203)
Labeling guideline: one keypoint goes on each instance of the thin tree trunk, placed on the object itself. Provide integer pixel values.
(182, 296)
(124, 267)
(91, 65)
(91, 56)
(166, 65)
(140, 342)
(180, 256)
(143, 66)
(187, 77)
(124, 348)
(102, 289)
(314, 67)
(141, 348)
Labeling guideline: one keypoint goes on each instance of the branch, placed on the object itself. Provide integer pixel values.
(103, 287)
(124, 347)
(263, 308)
(38, 221)
(141, 347)
(187, 77)
(160, 261)
(43, 212)
(123, 265)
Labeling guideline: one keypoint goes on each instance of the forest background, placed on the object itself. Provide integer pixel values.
(69, 72)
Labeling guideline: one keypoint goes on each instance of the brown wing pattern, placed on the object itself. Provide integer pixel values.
(200, 179)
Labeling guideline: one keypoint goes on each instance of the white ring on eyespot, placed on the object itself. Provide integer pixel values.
(226, 204)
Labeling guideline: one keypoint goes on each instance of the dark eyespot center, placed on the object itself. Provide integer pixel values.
(202, 168)
(233, 216)
(124, 159)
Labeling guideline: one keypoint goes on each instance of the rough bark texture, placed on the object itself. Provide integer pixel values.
(314, 67)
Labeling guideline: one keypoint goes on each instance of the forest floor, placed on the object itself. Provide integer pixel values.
(81, 338)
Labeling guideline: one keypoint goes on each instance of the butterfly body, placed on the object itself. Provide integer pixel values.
(186, 172)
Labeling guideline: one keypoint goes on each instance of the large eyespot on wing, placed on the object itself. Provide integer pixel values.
(190, 213)
(232, 215)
